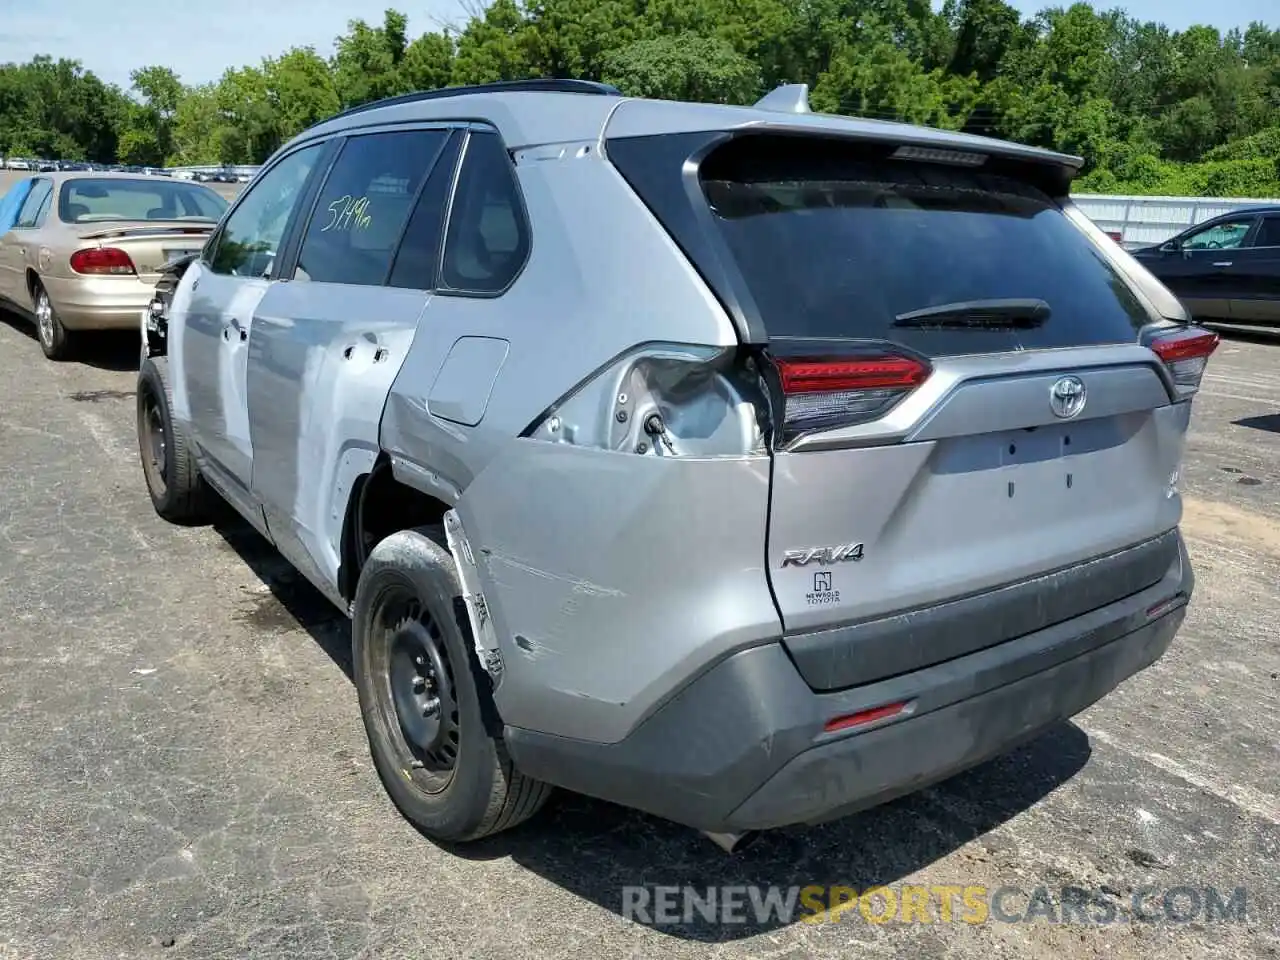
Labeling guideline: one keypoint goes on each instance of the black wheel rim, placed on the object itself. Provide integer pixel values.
(153, 443)
(419, 688)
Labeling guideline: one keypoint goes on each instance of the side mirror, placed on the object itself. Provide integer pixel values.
(1169, 246)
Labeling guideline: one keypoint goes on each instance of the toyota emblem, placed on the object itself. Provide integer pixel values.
(1066, 397)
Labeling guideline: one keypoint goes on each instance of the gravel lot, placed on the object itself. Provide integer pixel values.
(184, 772)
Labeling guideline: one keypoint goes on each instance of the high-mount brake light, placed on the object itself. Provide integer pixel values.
(102, 260)
(1186, 355)
(823, 393)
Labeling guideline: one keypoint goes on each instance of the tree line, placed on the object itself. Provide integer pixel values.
(1152, 110)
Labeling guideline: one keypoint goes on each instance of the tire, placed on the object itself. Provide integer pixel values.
(448, 774)
(177, 490)
(55, 340)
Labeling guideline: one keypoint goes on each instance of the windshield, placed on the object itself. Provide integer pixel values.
(92, 200)
(832, 244)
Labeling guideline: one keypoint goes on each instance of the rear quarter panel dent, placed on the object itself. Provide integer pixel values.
(607, 588)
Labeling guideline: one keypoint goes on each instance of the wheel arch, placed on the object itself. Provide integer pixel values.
(33, 282)
(379, 504)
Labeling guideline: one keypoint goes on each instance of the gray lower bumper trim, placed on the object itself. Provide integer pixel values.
(874, 649)
(742, 746)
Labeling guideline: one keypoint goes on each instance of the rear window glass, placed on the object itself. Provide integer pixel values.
(834, 244)
(95, 200)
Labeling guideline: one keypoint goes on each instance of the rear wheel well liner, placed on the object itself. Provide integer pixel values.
(380, 505)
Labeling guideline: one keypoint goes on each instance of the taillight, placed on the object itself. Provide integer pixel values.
(1186, 353)
(823, 393)
(102, 260)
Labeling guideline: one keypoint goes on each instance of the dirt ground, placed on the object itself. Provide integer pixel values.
(183, 770)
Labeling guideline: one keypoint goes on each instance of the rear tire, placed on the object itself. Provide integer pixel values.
(427, 706)
(55, 340)
(177, 490)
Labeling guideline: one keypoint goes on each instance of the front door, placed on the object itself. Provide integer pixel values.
(228, 285)
(327, 345)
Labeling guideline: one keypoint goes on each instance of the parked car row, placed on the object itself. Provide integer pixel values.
(56, 166)
(213, 176)
(78, 166)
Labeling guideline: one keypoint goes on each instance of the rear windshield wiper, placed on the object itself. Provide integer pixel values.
(1012, 314)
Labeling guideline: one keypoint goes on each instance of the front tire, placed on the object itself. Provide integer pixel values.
(427, 706)
(177, 490)
(54, 339)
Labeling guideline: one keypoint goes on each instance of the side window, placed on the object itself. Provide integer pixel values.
(11, 205)
(1221, 236)
(36, 201)
(417, 261)
(363, 206)
(488, 238)
(252, 235)
(1269, 234)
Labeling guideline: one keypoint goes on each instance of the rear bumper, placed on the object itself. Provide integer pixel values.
(743, 746)
(99, 303)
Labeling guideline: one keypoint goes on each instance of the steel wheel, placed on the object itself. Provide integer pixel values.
(151, 432)
(419, 698)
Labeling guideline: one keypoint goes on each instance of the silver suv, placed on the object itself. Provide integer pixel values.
(746, 466)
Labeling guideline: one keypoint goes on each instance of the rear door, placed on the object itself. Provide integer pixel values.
(14, 245)
(327, 344)
(1254, 276)
(1200, 269)
(966, 401)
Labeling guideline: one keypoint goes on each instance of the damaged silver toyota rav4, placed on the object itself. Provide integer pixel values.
(745, 466)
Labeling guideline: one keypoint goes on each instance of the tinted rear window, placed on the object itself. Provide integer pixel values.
(833, 242)
(89, 200)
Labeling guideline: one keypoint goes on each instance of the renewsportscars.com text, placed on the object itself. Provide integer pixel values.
(968, 904)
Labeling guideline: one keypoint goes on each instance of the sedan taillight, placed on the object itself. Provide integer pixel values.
(102, 260)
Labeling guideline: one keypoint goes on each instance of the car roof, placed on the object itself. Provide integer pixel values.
(533, 113)
(1246, 209)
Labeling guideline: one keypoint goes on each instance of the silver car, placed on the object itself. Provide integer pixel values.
(746, 466)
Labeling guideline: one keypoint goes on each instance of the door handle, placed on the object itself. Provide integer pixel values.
(1223, 263)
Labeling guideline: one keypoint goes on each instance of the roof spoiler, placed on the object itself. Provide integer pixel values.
(788, 98)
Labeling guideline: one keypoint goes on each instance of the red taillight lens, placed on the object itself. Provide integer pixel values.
(102, 260)
(821, 376)
(823, 393)
(864, 717)
(1186, 354)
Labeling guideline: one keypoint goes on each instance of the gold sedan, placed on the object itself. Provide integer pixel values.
(82, 251)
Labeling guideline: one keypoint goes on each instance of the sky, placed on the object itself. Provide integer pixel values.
(114, 37)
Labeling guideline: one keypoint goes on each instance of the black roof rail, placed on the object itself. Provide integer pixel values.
(548, 85)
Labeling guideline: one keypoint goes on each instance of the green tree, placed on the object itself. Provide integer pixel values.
(684, 67)
(366, 65)
(301, 91)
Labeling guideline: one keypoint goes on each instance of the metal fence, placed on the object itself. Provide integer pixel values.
(1138, 221)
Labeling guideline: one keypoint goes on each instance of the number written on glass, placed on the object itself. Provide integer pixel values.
(348, 213)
